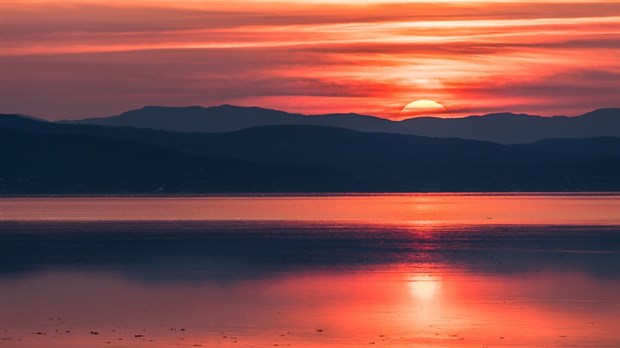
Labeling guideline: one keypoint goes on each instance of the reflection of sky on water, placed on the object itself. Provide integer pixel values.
(145, 283)
(414, 209)
(444, 306)
(279, 283)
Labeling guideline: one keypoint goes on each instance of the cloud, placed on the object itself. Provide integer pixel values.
(79, 58)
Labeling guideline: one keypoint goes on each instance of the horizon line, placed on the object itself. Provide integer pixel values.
(462, 116)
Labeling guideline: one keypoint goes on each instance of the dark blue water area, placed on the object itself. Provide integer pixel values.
(201, 251)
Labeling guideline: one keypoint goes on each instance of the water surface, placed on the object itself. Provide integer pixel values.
(379, 270)
(419, 209)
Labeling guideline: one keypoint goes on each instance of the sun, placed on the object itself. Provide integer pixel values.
(422, 107)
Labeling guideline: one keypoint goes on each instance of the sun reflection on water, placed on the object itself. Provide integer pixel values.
(425, 287)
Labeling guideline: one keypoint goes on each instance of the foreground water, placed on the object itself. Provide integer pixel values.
(320, 271)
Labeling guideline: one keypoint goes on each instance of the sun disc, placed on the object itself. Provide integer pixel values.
(422, 106)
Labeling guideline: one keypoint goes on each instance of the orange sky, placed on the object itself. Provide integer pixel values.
(79, 58)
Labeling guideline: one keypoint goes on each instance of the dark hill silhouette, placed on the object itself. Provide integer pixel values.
(74, 163)
(227, 118)
(508, 128)
(591, 146)
(373, 161)
(504, 128)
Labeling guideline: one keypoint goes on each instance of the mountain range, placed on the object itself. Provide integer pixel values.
(49, 157)
(74, 163)
(503, 128)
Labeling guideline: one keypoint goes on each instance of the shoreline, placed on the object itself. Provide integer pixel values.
(310, 194)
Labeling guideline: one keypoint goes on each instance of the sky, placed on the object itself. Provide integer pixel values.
(69, 59)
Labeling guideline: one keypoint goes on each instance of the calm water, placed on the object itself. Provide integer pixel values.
(322, 271)
(416, 209)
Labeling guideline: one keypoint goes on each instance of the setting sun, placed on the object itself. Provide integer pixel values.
(422, 107)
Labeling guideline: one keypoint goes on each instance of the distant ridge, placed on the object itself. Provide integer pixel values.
(52, 157)
(504, 128)
(587, 146)
(228, 118)
(32, 118)
(43, 162)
